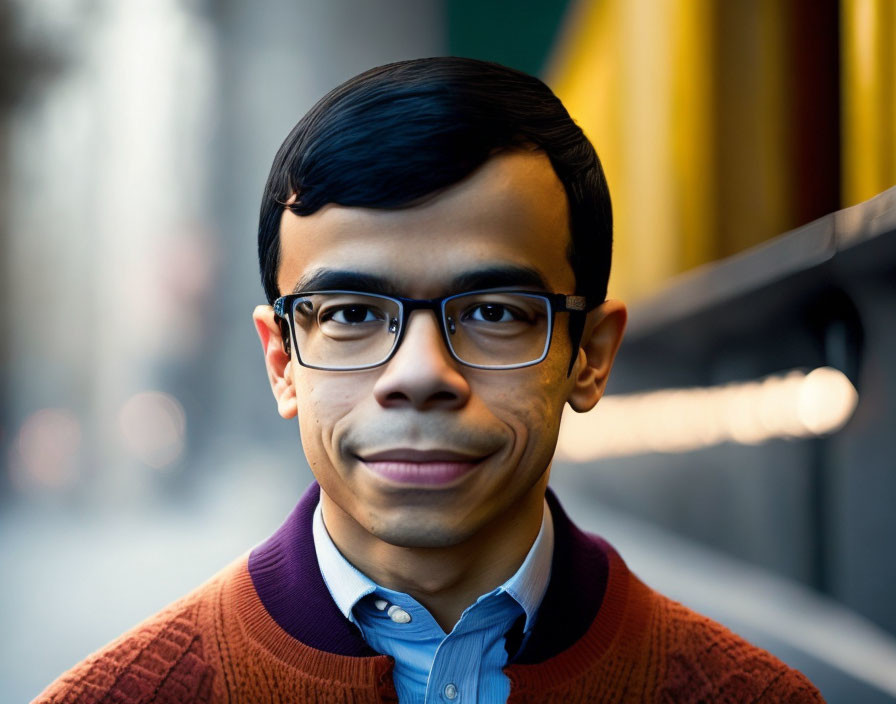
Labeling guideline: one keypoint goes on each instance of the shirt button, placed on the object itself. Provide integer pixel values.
(450, 691)
(399, 615)
(381, 604)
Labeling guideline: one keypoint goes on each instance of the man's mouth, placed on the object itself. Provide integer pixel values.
(420, 467)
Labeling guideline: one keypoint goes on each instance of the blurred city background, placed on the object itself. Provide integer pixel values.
(744, 460)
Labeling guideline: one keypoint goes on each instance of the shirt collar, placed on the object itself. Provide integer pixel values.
(529, 583)
(348, 585)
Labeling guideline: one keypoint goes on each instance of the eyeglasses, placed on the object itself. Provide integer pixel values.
(351, 330)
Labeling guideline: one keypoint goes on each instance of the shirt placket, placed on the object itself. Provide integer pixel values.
(456, 669)
(454, 676)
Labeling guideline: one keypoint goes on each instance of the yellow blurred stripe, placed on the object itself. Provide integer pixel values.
(868, 84)
(635, 74)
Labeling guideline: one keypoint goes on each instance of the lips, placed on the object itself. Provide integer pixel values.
(420, 467)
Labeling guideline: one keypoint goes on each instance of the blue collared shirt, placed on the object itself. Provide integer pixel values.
(463, 666)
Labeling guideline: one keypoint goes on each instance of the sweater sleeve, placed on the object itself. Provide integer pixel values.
(159, 661)
(707, 662)
(791, 687)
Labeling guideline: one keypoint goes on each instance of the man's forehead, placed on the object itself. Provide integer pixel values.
(416, 270)
(512, 212)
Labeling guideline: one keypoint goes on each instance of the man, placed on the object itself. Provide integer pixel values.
(435, 245)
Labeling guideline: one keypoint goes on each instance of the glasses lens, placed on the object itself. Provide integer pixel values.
(337, 330)
(498, 329)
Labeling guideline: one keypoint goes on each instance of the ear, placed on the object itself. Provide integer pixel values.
(278, 363)
(600, 342)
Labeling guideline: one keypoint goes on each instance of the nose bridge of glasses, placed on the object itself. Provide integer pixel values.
(434, 318)
(416, 341)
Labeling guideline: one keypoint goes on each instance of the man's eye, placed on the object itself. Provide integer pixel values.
(354, 315)
(491, 313)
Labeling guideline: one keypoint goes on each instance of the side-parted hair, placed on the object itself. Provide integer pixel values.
(399, 132)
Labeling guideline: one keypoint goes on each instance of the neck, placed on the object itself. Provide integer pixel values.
(446, 579)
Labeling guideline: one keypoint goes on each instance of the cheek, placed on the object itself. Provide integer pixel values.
(542, 419)
(531, 407)
(325, 400)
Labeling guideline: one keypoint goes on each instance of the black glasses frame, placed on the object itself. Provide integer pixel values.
(556, 302)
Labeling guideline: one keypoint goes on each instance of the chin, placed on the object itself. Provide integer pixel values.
(421, 533)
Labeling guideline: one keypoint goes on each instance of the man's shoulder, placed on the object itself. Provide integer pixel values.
(164, 658)
(706, 661)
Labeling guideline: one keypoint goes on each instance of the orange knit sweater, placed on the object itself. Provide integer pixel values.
(220, 644)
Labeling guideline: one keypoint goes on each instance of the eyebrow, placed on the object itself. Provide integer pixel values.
(498, 276)
(335, 279)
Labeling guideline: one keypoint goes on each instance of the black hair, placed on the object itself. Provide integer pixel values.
(399, 132)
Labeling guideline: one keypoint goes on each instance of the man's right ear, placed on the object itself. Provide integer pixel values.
(276, 360)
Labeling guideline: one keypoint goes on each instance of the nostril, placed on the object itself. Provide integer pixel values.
(434, 399)
(443, 396)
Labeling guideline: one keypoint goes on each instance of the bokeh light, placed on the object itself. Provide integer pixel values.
(153, 426)
(826, 401)
(794, 404)
(46, 450)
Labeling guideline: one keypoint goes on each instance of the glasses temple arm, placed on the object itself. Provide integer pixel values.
(578, 308)
(576, 328)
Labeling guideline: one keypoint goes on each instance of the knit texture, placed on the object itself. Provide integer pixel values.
(220, 644)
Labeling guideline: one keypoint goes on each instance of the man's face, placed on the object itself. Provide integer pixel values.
(497, 429)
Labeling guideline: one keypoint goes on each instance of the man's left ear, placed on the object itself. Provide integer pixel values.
(600, 342)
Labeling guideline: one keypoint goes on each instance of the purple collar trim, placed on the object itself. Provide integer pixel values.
(286, 576)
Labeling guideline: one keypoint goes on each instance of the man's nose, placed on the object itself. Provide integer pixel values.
(422, 374)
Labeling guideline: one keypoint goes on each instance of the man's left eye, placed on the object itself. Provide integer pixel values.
(491, 313)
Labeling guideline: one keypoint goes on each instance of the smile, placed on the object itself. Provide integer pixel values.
(420, 467)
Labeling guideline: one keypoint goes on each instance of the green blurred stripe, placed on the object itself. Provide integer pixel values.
(519, 34)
